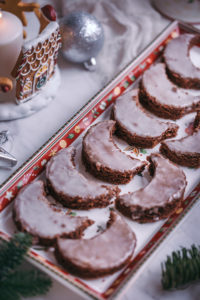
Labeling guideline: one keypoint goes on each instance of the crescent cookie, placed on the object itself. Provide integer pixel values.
(160, 198)
(71, 188)
(179, 66)
(101, 255)
(33, 213)
(163, 98)
(184, 151)
(104, 159)
(136, 126)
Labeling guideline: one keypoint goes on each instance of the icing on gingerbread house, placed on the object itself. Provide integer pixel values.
(38, 62)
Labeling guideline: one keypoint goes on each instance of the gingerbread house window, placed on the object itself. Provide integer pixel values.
(41, 77)
(28, 85)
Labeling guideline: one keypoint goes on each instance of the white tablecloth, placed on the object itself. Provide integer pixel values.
(140, 26)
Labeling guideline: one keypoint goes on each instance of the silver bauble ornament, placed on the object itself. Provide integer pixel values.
(82, 37)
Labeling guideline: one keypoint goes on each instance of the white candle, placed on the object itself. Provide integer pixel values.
(11, 39)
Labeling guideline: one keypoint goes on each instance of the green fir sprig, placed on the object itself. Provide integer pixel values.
(15, 283)
(181, 268)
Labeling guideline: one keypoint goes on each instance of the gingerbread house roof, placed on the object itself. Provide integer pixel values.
(37, 51)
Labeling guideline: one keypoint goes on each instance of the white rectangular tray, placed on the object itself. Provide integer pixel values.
(149, 236)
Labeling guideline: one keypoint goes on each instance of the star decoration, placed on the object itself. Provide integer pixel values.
(9, 195)
(53, 152)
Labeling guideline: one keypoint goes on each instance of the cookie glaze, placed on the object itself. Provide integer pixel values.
(188, 144)
(179, 65)
(34, 214)
(185, 151)
(136, 126)
(71, 187)
(160, 197)
(159, 95)
(100, 255)
(104, 159)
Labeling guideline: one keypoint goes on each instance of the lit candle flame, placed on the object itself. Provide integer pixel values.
(1, 13)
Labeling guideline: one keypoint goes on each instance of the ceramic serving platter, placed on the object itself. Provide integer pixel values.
(149, 236)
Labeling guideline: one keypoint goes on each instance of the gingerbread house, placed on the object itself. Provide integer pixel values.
(38, 62)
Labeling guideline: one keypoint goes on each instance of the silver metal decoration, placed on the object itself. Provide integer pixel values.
(6, 159)
(3, 137)
(82, 37)
(90, 64)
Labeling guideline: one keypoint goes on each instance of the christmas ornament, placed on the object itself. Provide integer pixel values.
(82, 37)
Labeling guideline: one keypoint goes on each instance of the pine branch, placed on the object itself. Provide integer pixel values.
(12, 253)
(27, 283)
(15, 283)
(8, 294)
(183, 267)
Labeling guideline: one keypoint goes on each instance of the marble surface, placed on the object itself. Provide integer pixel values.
(32, 132)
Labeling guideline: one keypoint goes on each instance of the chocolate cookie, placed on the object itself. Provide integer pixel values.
(103, 254)
(71, 187)
(179, 66)
(184, 151)
(197, 121)
(160, 96)
(104, 159)
(136, 126)
(33, 214)
(160, 198)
